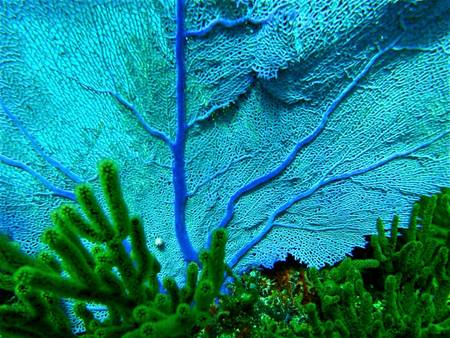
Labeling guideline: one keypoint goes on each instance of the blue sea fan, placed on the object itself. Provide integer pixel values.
(293, 124)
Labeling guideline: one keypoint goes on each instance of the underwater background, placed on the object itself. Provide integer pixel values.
(161, 149)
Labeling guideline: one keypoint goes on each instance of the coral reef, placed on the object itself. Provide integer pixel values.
(398, 287)
(91, 265)
(264, 117)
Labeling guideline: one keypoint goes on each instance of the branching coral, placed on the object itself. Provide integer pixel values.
(399, 289)
(91, 265)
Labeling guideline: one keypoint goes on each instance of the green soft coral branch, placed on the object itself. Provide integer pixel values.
(413, 269)
(86, 273)
(399, 287)
(408, 297)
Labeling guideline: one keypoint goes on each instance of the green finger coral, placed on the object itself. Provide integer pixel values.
(124, 285)
(398, 287)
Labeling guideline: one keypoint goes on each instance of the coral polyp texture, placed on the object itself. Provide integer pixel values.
(292, 124)
(88, 263)
(397, 287)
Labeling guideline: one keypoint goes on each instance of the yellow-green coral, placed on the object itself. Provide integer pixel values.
(125, 284)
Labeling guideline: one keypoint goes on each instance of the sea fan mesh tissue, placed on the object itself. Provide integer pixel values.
(297, 123)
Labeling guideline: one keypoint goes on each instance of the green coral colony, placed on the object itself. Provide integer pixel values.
(135, 305)
(400, 289)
